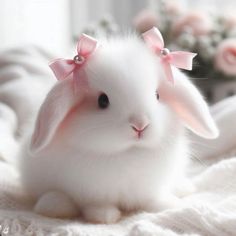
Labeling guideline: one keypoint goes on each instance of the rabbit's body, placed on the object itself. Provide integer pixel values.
(94, 179)
(112, 144)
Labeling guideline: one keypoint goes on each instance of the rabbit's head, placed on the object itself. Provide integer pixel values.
(125, 103)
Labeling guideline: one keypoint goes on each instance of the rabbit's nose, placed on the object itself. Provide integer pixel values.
(139, 125)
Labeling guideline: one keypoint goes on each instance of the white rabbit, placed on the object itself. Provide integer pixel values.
(119, 145)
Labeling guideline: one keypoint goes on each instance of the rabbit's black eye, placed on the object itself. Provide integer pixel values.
(157, 95)
(103, 101)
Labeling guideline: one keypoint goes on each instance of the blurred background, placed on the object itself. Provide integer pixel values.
(207, 27)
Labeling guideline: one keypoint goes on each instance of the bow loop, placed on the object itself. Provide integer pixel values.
(154, 39)
(182, 60)
(86, 45)
(179, 59)
(62, 68)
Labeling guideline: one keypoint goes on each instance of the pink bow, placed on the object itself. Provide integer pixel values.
(62, 68)
(179, 59)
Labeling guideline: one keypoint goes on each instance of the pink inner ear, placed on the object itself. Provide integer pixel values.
(186, 101)
(59, 102)
(67, 118)
(188, 118)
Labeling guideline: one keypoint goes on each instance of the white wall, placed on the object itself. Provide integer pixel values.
(42, 22)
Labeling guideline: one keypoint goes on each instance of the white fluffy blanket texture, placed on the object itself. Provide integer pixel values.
(210, 211)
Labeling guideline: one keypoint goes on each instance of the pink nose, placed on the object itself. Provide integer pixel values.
(139, 123)
(139, 129)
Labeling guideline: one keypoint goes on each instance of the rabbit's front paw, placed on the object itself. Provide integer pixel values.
(101, 214)
(56, 204)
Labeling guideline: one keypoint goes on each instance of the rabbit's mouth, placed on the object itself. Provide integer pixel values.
(139, 132)
(139, 127)
(141, 137)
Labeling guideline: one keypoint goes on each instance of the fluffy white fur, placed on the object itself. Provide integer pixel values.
(91, 158)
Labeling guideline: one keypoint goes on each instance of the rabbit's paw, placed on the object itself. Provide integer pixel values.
(101, 214)
(56, 204)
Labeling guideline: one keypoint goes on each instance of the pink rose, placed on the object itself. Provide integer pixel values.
(197, 22)
(145, 20)
(225, 58)
(173, 8)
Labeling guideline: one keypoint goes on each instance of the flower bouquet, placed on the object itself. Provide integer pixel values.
(211, 36)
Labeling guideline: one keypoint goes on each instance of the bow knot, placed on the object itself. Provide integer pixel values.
(179, 59)
(79, 60)
(62, 68)
(165, 51)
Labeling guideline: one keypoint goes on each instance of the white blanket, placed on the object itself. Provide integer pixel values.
(211, 210)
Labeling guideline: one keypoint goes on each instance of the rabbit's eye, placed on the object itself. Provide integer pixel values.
(103, 101)
(157, 96)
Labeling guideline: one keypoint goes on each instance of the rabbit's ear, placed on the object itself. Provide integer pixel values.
(186, 101)
(58, 103)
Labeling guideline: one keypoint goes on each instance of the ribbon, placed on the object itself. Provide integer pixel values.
(62, 68)
(179, 59)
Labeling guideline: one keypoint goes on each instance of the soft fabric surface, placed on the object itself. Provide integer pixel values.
(211, 210)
